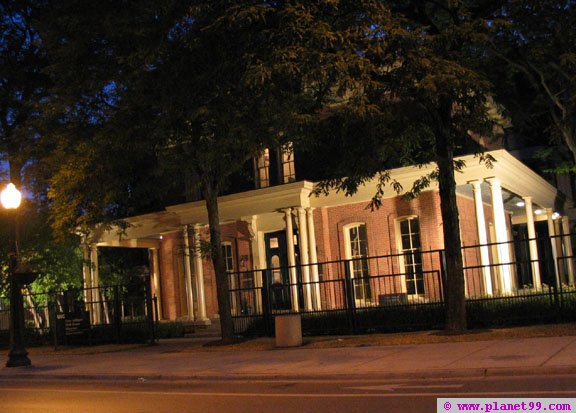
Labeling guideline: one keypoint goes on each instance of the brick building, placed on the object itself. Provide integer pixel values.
(302, 240)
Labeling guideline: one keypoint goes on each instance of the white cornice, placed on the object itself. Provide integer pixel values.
(513, 174)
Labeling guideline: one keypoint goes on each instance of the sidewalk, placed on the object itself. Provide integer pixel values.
(165, 361)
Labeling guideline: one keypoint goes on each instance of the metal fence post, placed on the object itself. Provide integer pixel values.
(117, 313)
(52, 309)
(266, 307)
(348, 285)
(150, 311)
(442, 275)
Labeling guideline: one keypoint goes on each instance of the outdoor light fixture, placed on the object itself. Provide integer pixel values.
(10, 197)
(520, 204)
(17, 356)
(538, 211)
(555, 215)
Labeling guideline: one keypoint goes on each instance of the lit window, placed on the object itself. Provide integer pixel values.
(357, 253)
(228, 258)
(263, 169)
(288, 171)
(411, 258)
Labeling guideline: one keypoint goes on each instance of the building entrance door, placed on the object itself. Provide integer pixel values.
(278, 274)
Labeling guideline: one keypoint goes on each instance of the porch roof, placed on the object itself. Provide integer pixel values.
(146, 230)
(515, 177)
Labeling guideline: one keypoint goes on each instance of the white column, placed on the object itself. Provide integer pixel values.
(567, 241)
(87, 276)
(291, 258)
(501, 235)
(313, 258)
(482, 237)
(303, 226)
(155, 263)
(199, 272)
(95, 284)
(258, 258)
(188, 272)
(532, 244)
(552, 234)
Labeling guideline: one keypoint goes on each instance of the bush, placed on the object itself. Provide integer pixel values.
(481, 313)
(172, 329)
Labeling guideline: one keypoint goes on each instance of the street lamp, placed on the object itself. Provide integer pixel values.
(18, 356)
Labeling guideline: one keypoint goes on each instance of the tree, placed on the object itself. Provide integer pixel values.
(169, 82)
(215, 117)
(535, 67)
(22, 84)
(402, 78)
(96, 160)
(199, 87)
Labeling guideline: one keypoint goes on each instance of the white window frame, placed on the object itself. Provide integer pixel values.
(362, 301)
(287, 163)
(401, 251)
(232, 280)
(263, 169)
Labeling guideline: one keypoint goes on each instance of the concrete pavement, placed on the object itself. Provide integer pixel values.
(543, 355)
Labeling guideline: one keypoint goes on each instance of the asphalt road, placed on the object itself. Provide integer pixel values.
(333, 396)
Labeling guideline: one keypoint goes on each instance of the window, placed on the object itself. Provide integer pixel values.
(357, 252)
(411, 257)
(263, 169)
(234, 284)
(288, 171)
(275, 166)
(228, 257)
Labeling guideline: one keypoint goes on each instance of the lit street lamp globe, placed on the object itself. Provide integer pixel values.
(10, 197)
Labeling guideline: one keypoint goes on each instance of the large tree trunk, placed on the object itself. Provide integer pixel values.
(210, 193)
(454, 289)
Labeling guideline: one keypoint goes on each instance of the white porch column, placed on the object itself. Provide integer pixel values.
(291, 258)
(199, 272)
(95, 284)
(501, 235)
(532, 244)
(482, 237)
(258, 257)
(303, 226)
(87, 276)
(567, 241)
(188, 273)
(155, 263)
(313, 258)
(552, 234)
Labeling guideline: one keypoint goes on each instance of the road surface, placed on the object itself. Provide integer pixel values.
(331, 396)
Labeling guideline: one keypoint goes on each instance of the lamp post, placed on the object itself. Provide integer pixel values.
(18, 356)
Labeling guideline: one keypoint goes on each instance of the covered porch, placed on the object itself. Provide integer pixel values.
(284, 235)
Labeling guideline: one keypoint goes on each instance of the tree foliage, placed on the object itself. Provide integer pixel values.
(22, 83)
(146, 97)
(535, 68)
(167, 94)
(394, 83)
(59, 263)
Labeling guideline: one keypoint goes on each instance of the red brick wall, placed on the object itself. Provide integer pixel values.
(170, 276)
(381, 225)
(382, 236)
(237, 234)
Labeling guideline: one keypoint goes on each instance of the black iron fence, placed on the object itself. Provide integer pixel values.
(505, 285)
(86, 316)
